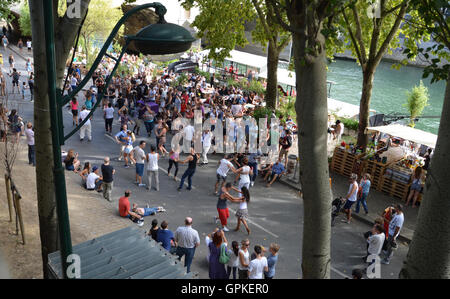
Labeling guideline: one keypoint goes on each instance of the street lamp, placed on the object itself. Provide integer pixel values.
(155, 39)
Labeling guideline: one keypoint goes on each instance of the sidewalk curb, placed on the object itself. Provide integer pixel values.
(405, 236)
(17, 53)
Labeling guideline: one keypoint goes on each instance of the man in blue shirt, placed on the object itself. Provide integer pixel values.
(365, 188)
(120, 140)
(277, 171)
(165, 236)
(272, 260)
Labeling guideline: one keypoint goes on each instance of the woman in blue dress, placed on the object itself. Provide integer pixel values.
(217, 269)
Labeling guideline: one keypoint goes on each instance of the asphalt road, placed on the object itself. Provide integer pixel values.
(275, 213)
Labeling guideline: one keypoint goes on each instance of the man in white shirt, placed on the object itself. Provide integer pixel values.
(258, 266)
(206, 140)
(86, 128)
(375, 242)
(224, 166)
(109, 117)
(188, 134)
(94, 180)
(395, 226)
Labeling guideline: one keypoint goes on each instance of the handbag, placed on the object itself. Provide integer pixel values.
(223, 257)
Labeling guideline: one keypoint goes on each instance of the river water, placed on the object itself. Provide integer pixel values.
(389, 89)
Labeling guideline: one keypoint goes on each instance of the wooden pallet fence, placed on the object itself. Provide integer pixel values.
(344, 162)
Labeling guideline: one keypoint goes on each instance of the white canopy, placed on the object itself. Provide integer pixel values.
(244, 58)
(284, 77)
(407, 133)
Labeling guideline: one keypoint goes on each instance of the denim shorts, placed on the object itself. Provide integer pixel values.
(70, 168)
(219, 177)
(416, 186)
(140, 169)
(348, 204)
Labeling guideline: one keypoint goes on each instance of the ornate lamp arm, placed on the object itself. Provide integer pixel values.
(160, 11)
(99, 96)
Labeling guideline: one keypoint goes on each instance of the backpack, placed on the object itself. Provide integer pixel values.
(224, 258)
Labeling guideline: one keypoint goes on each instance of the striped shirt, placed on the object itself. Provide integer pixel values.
(186, 237)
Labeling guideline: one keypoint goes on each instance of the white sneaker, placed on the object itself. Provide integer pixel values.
(225, 229)
(252, 183)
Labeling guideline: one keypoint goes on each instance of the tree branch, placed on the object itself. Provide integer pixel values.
(359, 35)
(352, 37)
(262, 19)
(283, 44)
(392, 32)
(282, 23)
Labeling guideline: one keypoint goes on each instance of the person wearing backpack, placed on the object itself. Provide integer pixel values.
(15, 75)
(218, 256)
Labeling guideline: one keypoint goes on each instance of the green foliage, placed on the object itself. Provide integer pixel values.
(287, 107)
(417, 100)
(256, 87)
(262, 112)
(164, 64)
(181, 80)
(350, 123)
(360, 30)
(24, 20)
(199, 72)
(233, 83)
(243, 84)
(101, 19)
(5, 12)
(222, 22)
(430, 19)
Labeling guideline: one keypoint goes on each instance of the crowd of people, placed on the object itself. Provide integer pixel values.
(20, 83)
(140, 101)
(382, 239)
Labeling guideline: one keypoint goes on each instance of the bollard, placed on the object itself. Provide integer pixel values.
(9, 197)
(19, 214)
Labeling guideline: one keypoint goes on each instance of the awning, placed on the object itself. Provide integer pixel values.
(244, 58)
(407, 133)
(126, 253)
(284, 76)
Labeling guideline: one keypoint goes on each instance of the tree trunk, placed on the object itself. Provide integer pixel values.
(364, 108)
(311, 109)
(272, 77)
(428, 255)
(48, 223)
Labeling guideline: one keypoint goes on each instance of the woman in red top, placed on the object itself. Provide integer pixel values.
(74, 108)
(387, 216)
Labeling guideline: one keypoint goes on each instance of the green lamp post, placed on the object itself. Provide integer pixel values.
(155, 39)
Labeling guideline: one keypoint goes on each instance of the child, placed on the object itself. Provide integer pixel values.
(272, 260)
(24, 86)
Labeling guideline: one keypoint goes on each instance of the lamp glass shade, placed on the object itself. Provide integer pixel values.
(160, 39)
